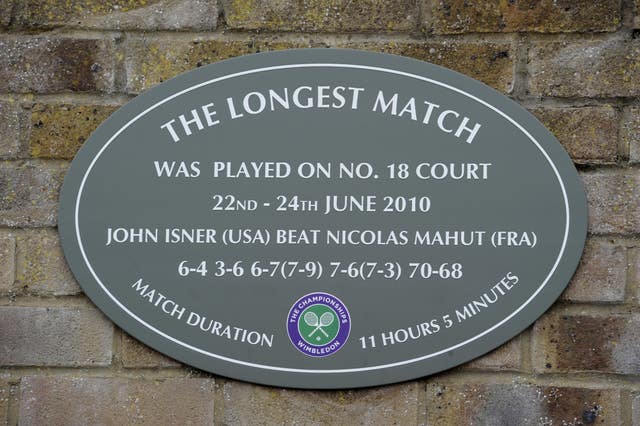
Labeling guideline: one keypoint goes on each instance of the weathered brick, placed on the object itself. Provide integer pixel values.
(458, 404)
(321, 15)
(491, 63)
(118, 14)
(585, 68)
(589, 134)
(634, 273)
(54, 64)
(153, 60)
(6, 7)
(546, 16)
(33, 336)
(138, 355)
(614, 201)
(7, 262)
(58, 131)
(601, 275)
(587, 343)
(40, 265)
(635, 407)
(9, 130)
(506, 357)
(115, 401)
(5, 396)
(250, 404)
(29, 192)
(630, 134)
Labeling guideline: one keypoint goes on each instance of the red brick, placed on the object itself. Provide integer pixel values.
(321, 15)
(115, 401)
(45, 64)
(614, 201)
(601, 275)
(585, 68)
(544, 16)
(117, 14)
(522, 404)
(569, 343)
(33, 336)
(589, 134)
(246, 404)
(41, 267)
(29, 192)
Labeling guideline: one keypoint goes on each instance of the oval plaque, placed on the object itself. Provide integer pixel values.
(322, 218)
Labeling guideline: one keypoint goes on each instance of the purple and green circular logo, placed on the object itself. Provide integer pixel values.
(318, 324)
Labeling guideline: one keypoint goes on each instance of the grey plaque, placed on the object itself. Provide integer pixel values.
(322, 218)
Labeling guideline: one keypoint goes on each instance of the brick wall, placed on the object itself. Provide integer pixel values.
(65, 65)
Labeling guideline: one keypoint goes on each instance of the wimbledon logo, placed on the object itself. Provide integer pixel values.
(318, 324)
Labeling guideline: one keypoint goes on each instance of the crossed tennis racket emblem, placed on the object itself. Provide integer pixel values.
(312, 320)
